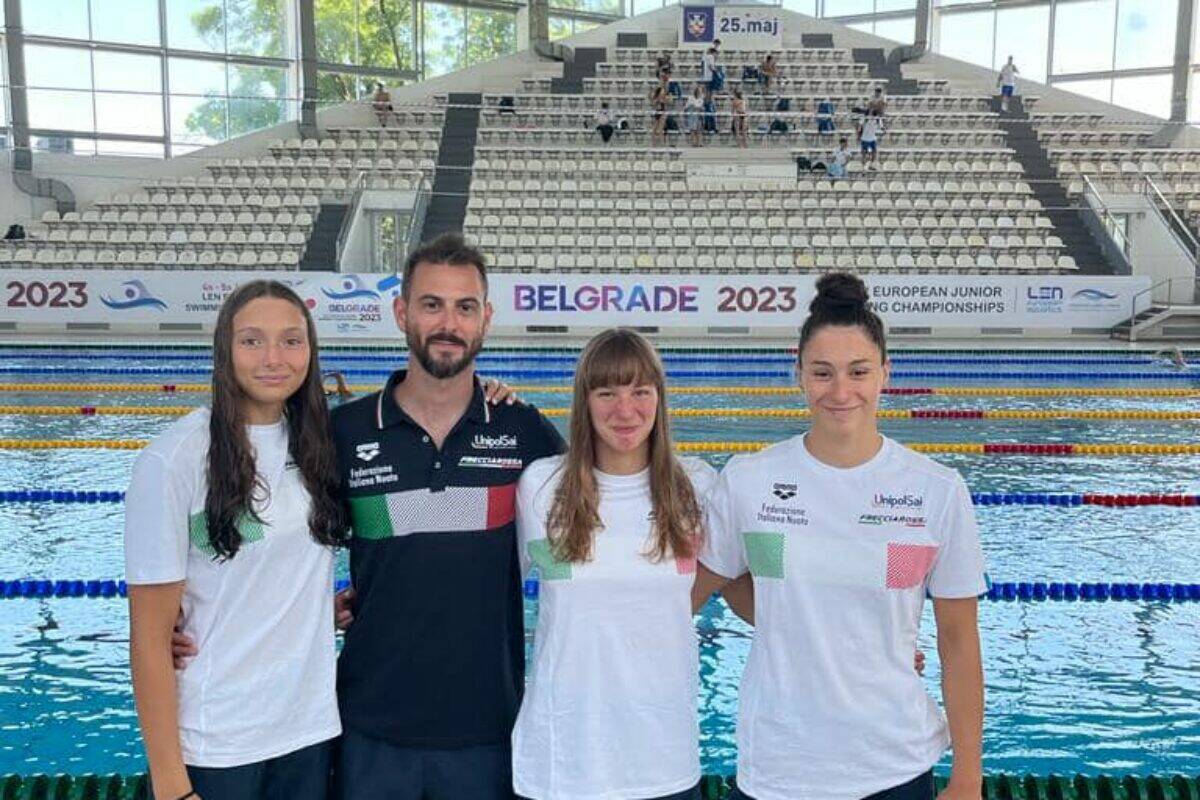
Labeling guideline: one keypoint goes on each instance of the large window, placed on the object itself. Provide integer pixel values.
(1118, 51)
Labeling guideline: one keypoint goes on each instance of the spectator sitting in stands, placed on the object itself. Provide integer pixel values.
(825, 110)
(663, 63)
(768, 72)
(737, 107)
(693, 116)
(840, 159)
(868, 138)
(659, 103)
(381, 101)
(604, 122)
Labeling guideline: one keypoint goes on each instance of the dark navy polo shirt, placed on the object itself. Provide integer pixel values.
(436, 654)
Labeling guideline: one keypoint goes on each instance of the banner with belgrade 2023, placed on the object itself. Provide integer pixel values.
(360, 306)
(738, 27)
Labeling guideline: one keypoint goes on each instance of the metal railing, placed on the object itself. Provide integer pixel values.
(416, 220)
(1169, 283)
(1110, 222)
(1183, 234)
(356, 193)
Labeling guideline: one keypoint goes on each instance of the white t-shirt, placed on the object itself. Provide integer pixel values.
(1008, 75)
(708, 65)
(263, 684)
(610, 709)
(870, 129)
(830, 705)
(842, 156)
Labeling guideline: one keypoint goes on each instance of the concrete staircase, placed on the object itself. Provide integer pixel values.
(582, 66)
(448, 206)
(1020, 135)
(879, 67)
(320, 254)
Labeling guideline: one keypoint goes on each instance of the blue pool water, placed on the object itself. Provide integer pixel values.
(1096, 687)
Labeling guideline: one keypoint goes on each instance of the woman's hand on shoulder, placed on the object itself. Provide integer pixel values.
(497, 392)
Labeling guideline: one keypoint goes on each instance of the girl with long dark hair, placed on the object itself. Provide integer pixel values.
(613, 528)
(231, 519)
(845, 532)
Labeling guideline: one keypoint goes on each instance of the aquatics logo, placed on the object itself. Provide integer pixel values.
(136, 295)
(350, 287)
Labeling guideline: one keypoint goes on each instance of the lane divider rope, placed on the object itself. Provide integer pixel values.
(949, 391)
(960, 448)
(1024, 591)
(533, 372)
(1064, 499)
(668, 357)
(772, 413)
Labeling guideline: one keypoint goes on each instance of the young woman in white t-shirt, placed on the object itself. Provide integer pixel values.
(844, 532)
(231, 518)
(613, 528)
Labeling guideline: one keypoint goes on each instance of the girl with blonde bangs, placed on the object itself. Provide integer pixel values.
(614, 528)
(618, 358)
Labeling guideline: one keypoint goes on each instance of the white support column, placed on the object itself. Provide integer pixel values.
(1183, 60)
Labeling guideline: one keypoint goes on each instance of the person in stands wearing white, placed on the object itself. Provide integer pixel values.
(1007, 81)
(693, 116)
(840, 159)
(613, 528)
(231, 518)
(868, 138)
(844, 532)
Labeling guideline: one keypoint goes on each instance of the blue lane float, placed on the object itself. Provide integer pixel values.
(571, 357)
(1007, 592)
(1062, 500)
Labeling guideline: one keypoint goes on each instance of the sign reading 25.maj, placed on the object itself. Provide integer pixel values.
(738, 27)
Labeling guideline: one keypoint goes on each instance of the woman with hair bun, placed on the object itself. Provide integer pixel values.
(845, 531)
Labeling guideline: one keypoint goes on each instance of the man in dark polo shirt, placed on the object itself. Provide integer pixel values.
(432, 671)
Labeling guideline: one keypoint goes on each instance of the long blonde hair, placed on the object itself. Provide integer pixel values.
(621, 357)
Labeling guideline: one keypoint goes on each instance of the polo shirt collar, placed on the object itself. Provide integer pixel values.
(388, 413)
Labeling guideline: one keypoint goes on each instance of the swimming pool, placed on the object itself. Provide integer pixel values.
(1072, 687)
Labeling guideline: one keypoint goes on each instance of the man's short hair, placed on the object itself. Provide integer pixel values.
(449, 248)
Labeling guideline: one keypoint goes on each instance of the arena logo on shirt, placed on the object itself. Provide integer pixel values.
(367, 451)
(505, 441)
(773, 512)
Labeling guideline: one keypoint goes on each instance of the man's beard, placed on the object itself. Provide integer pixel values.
(441, 368)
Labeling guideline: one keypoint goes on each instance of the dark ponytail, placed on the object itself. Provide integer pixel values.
(842, 300)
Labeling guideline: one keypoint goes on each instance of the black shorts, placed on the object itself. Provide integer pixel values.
(300, 775)
(372, 769)
(687, 794)
(919, 788)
